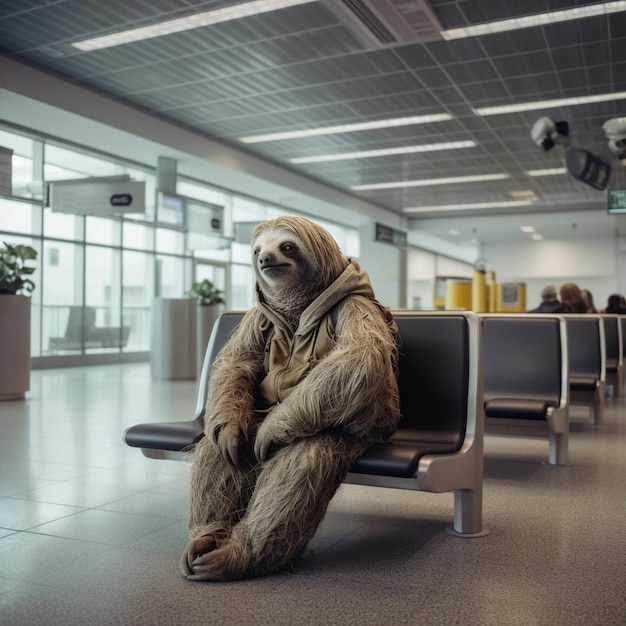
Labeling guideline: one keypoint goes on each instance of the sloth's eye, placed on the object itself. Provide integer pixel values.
(287, 247)
(256, 252)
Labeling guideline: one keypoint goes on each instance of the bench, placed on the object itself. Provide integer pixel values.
(614, 354)
(526, 387)
(438, 446)
(587, 358)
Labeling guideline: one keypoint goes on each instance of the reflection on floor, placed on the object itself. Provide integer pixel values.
(91, 531)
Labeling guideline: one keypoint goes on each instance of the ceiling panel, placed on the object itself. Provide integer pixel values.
(303, 68)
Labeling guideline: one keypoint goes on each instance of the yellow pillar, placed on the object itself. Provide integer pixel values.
(493, 293)
(459, 294)
(479, 292)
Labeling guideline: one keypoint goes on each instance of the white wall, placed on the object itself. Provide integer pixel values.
(594, 264)
(387, 268)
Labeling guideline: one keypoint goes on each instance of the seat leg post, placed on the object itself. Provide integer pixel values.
(596, 411)
(558, 449)
(468, 513)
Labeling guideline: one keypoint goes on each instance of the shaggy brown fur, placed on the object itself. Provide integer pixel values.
(262, 479)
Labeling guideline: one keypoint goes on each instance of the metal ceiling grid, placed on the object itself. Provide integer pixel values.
(301, 68)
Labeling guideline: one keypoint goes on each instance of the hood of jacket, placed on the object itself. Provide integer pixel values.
(353, 281)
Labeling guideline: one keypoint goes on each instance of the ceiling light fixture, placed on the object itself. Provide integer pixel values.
(549, 104)
(206, 18)
(554, 171)
(348, 128)
(467, 207)
(527, 229)
(367, 154)
(522, 193)
(538, 19)
(431, 181)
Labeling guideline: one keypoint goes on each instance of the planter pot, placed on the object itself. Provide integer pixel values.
(14, 347)
(206, 316)
(173, 339)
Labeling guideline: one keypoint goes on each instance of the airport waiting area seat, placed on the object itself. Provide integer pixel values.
(614, 354)
(438, 446)
(526, 386)
(587, 363)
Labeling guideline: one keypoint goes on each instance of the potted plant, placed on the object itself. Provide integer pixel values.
(206, 293)
(209, 299)
(15, 281)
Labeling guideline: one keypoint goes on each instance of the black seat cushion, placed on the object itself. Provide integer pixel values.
(517, 408)
(397, 458)
(583, 383)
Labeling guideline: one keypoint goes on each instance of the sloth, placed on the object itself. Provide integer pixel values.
(303, 386)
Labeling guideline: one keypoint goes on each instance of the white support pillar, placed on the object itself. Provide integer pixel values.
(386, 265)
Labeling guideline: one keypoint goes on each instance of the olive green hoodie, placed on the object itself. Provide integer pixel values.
(289, 355)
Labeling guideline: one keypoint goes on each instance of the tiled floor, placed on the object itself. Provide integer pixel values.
(91, 532)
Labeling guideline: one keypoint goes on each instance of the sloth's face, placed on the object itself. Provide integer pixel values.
(281, 260)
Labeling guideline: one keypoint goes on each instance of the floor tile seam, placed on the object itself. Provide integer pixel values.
(132, 492)
(103, 544)
(102, 507)
(30, 500)
(32, 532)
(10, 534)
(154, 531)
(84, 510)
(52, 483)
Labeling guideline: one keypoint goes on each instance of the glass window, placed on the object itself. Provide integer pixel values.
(245, 210)
(137, 236)
(241, 296)
(200, 192)
(137, 292)
(215, 273)
(62, 297)
(63, 225)
(22, 163)
(241, 252)
(63, 163)
(170, 277)
(219, 256)
(16, 217)
(102, 331)
(168, 240)
(100, 230)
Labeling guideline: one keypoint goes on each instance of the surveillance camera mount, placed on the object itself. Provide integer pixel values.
(547, 133)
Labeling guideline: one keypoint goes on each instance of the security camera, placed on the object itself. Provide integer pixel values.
(615, 131)
(546, 133)
(617, 145)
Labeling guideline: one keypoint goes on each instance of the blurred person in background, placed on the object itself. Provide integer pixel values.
(588, 298)
(549, 301)
(572, 299)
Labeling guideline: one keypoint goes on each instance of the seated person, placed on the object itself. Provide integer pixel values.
(549, 301)
(615, 305)
(572, 298)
